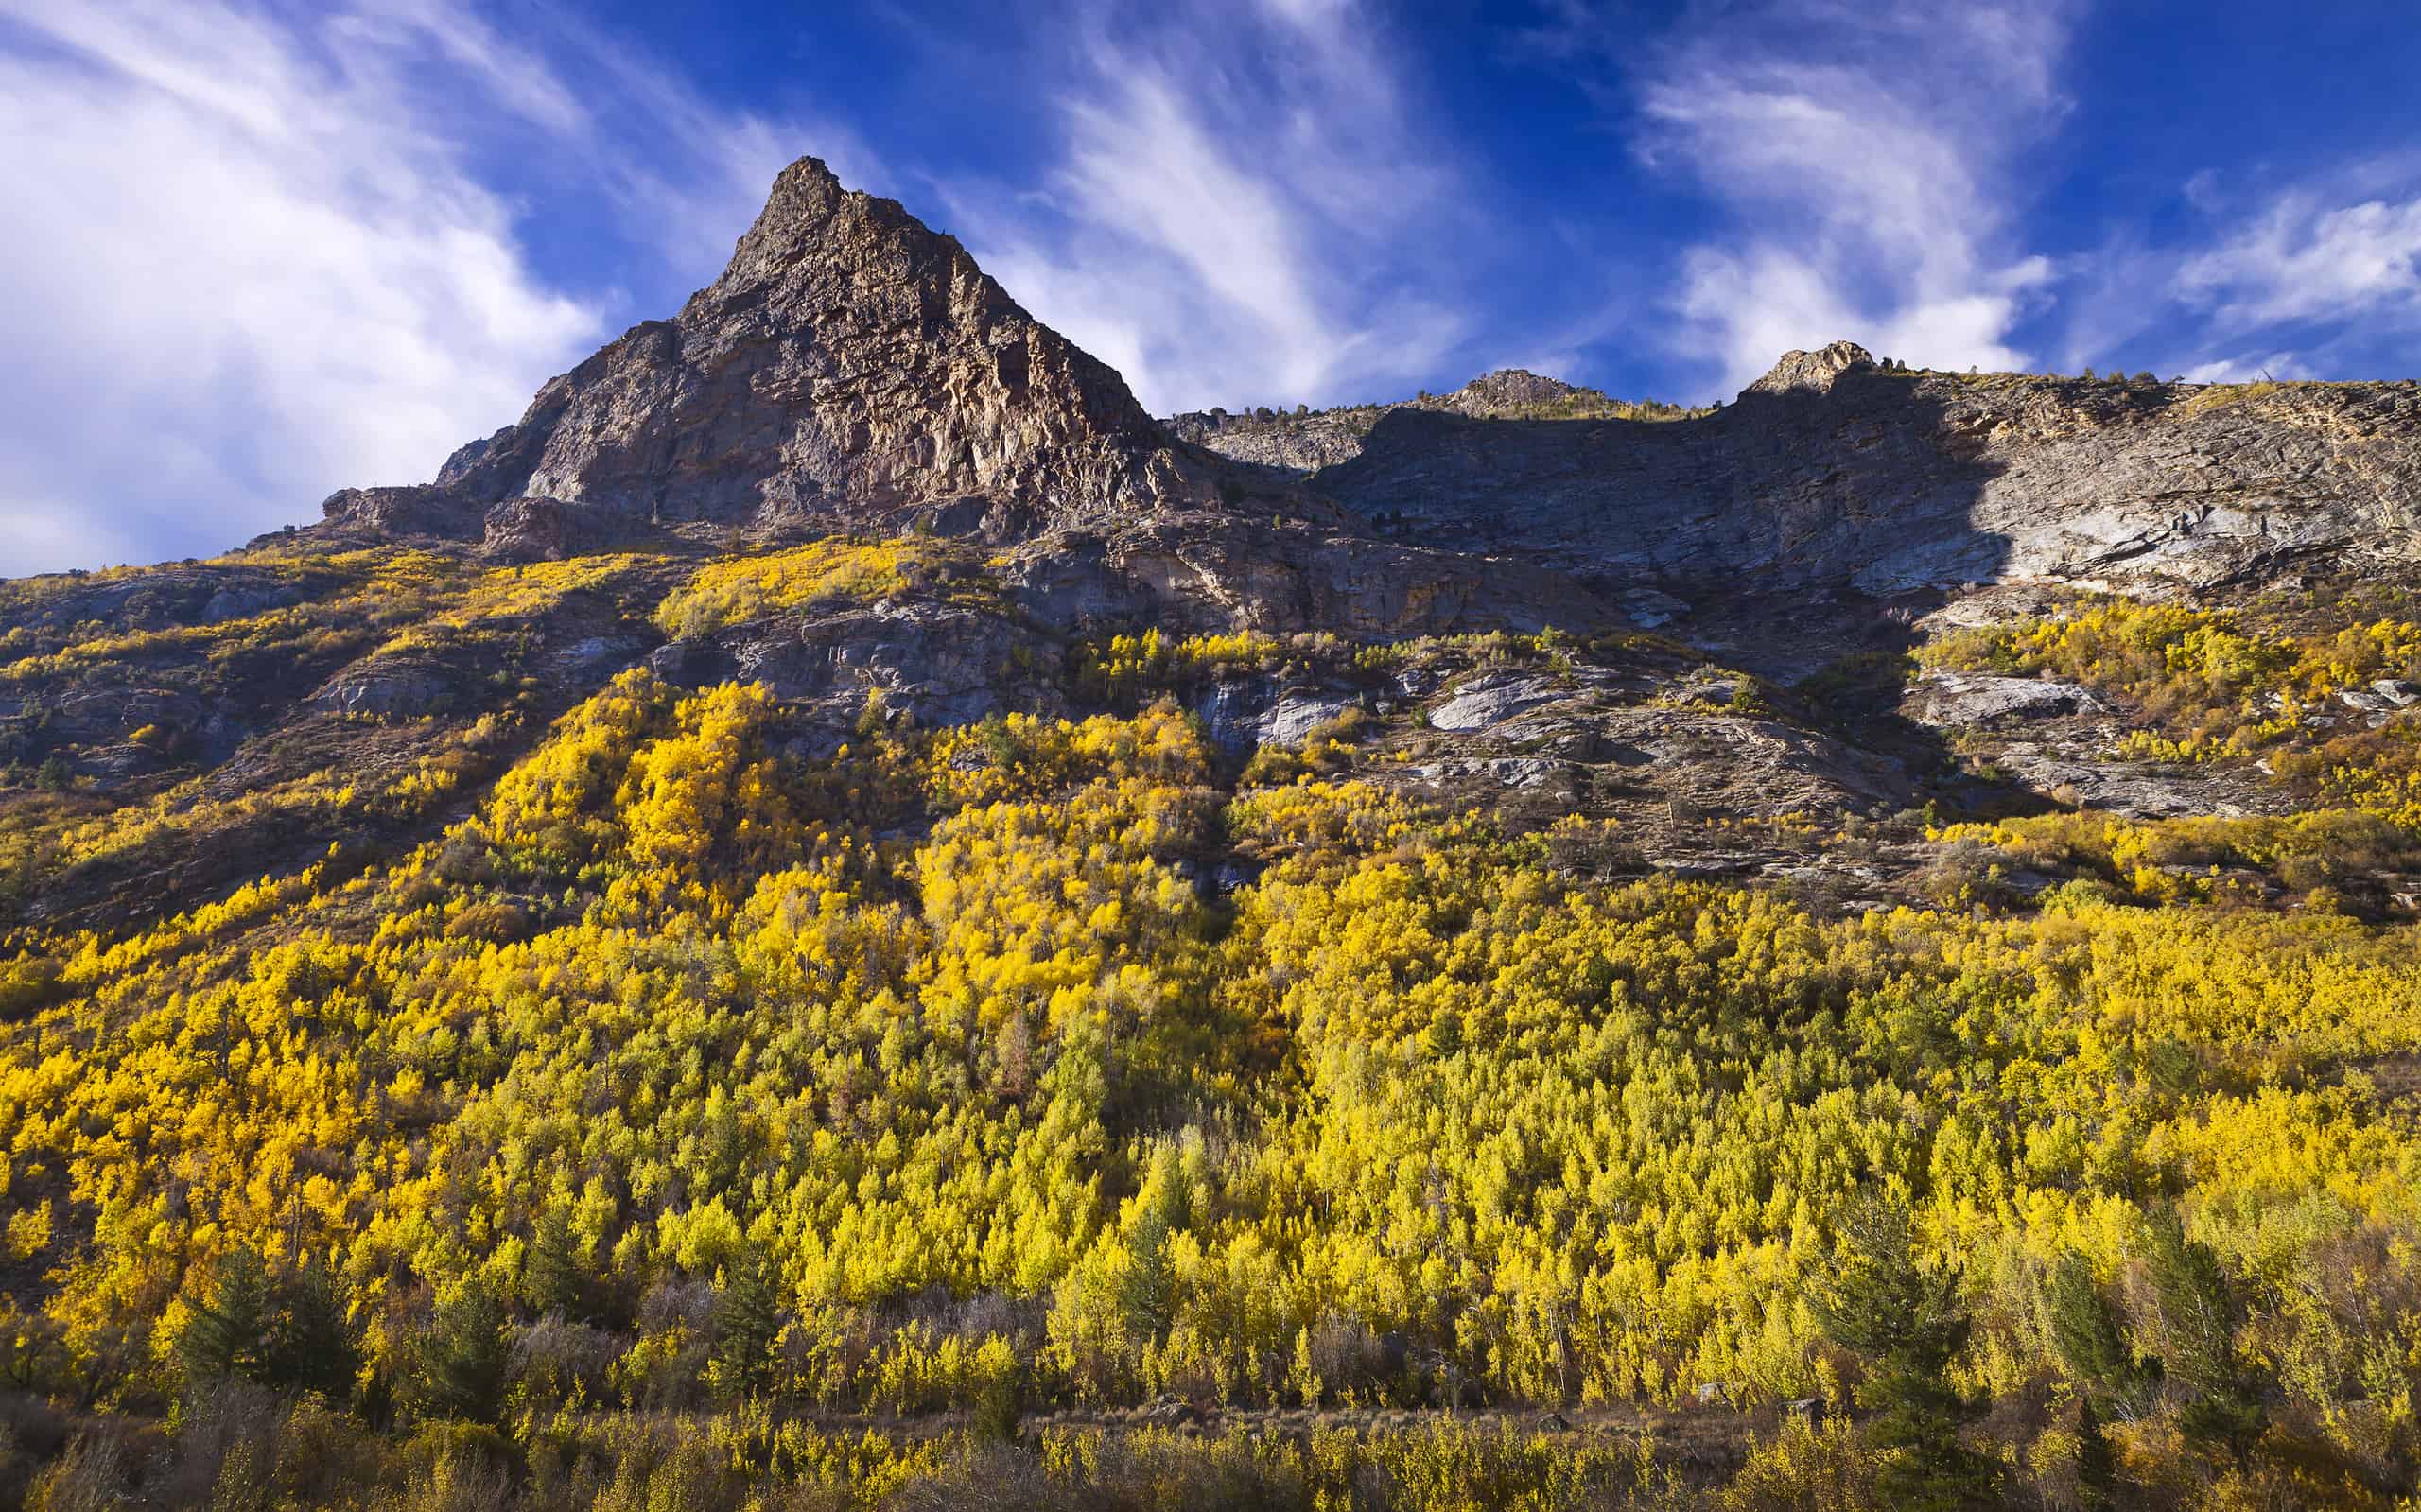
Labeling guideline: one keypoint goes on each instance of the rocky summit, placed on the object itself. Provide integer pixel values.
(850, 368)
(838, 916)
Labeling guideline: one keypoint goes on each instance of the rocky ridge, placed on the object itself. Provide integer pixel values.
(1523, 595)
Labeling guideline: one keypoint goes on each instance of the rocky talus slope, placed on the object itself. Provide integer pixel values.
(1521, 595)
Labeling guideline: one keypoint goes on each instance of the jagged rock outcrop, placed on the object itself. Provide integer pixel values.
(550, 529)
(1300, 443)
(1289, 447)
(1717, 658)
(1514, 392)
(849, 363)
(1811, 372)
(399, 514)
(851, 369)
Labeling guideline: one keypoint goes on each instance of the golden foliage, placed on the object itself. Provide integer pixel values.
(947, 1030)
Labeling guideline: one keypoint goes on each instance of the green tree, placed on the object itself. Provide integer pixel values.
(2087, 1335)
(2198, 1321)
(747, 1320)
(463, 1355)
(553, 1280)
(2096, 1467)
(229, 1331)
(311, 1344)
(1904, 1321)
(1161, 1210)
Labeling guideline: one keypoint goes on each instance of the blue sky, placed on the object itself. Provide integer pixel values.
(262, 250)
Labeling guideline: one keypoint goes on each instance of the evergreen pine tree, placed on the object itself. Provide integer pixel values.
(551, 1280)
(1151, 1281)
(311, 1345)
(2087, 1335)
(747, 1320)
(2096, 1467)
(2198, 1317)
(229, 1335)
(1906, 1324)
(463, 1354)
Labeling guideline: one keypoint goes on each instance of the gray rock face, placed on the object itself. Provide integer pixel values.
(1288, 445)
(849, 362)
(1490, 700)
(400, 513)
(1243, 714)
(1202, 572)
(1956, 700)
(937, 664)
(387, 688)
(1811, 372)
(1831, 469)
(1297, 714)
(2138, 789)
(549, 529)
(1512, 773)
(851, 369)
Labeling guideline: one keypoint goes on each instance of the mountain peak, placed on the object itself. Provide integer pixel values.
(849, 362)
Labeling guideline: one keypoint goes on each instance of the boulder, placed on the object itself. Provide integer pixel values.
(1492, 698)
(1961, 700)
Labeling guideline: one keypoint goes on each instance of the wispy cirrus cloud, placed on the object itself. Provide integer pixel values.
(1861, 162)
(2317, 275)
(1240, 208)
(256, 253)
(2307, 256)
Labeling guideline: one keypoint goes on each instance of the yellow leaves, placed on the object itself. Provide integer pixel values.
(821, 575)
(2219, 687)
(1125, 663)
(1020, 756)
(545, 803)
(1589, 1138)
(702, 1239)
(27, 1234)
(705, 798)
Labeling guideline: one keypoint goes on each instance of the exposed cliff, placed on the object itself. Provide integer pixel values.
(848, 366)
(1832, 470)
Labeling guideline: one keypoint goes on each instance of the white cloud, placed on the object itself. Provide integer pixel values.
(242, 276)
(1231, 216)
(2303, 259)
(253, 257)
(2318, 277)
(2279, 365)
(1862, 154)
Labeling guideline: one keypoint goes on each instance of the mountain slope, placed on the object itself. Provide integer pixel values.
(837, 905)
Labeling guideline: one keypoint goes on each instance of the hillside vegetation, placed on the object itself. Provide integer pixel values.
(688, 1075)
